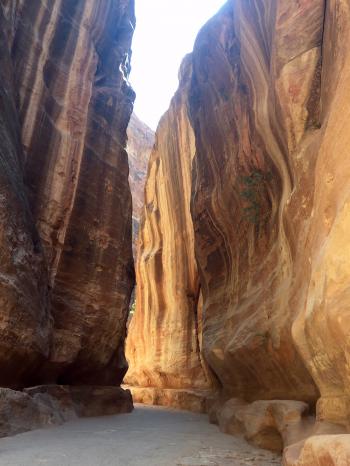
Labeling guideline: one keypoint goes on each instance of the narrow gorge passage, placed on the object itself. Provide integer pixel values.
(149, 436)
(237, 237)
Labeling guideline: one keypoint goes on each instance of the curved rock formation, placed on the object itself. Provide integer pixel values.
(140, 145)
(268, 105)
(67, 105)
(163, 347)
(247, 129)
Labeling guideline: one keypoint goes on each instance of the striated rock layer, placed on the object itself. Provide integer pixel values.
(268, 106)
(274, 277)
(25, 322)
(163, 347)
(66, 269)
(139, 147)
(251, 112)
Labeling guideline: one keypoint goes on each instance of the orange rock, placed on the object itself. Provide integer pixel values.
(189, 400)
(163, 346)
(268, 105)
(246, 131)
(332, 450)
(272, 425)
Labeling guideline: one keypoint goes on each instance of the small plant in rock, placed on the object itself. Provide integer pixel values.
(132, 309)
(253, 192)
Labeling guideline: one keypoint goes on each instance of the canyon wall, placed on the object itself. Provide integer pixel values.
(163, 347)
(139, 147)
(25, 317)
(66, 271)
(251, 113)
(268, 108)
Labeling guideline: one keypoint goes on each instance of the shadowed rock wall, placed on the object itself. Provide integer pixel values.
(68, 104)
(25, 318)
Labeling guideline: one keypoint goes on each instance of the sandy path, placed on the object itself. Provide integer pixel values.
(150, 436)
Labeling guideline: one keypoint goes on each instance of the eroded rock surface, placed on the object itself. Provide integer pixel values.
(332, 450)
(19, 413)
(274, 279)
(270, 424)
(270, 195)
(140, 145)
(66, 270)
(189, 400)
(242, 183)
(25, 324)
(49, 405)
(163, 346)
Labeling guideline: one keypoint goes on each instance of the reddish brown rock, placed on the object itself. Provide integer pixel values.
(140, 145)
(163, 346)
(66, 108)
(242, 184)
(25, 323)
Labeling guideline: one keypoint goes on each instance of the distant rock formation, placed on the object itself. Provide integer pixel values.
(66, 268)
(163, 348)
(139, 147)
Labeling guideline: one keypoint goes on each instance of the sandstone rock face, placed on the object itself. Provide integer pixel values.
(271, 425)
(270, 120)
(163, 346)
(186, 399)
(332, 450)
(25, 324)
(66, 270)
(140, 145)
(248, 125)
(269, 115)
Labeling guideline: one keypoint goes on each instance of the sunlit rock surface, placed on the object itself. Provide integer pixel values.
(243, 178)
(274, 277)
(327, 450)
(163, 346)
(65, 208)
(270, 193)
(139, 147)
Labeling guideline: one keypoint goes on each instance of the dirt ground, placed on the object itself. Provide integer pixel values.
(150, 436)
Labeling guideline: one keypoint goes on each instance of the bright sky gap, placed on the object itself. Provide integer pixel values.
(165, 33)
